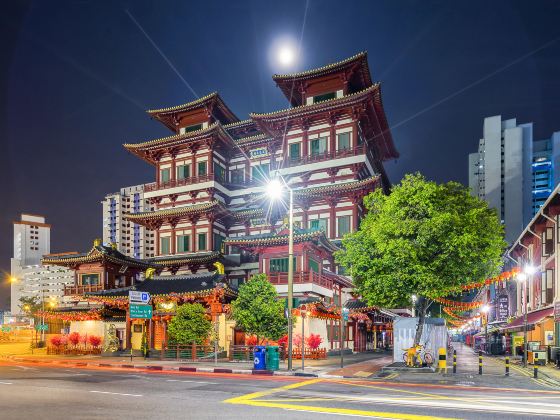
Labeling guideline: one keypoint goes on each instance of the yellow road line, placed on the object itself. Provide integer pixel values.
(249, 399)
(344, 411)
(238, 400)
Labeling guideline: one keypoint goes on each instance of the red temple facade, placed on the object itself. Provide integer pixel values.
(210, 173)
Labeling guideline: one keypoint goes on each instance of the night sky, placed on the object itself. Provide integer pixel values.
(76, 78)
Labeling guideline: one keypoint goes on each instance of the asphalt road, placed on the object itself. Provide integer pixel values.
(42, 393)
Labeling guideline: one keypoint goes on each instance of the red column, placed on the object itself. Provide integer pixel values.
(332, 139)
(157, 173)
(173, 242)
(210, 160)
(157, 242)
(332, 217)
(210, 243)
(173, 170)
(193, 234)
(305, 144)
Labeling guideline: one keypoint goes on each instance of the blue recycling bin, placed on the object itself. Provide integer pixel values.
(259, 358)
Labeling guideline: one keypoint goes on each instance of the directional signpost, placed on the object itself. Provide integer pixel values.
(140, 311)
(138, 297)
(41, 327)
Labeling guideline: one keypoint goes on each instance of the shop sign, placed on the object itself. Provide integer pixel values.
(259, 152)
(557, 311)
(502, 308)
(140, 311)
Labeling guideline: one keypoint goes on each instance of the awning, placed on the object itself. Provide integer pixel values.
(532, 319)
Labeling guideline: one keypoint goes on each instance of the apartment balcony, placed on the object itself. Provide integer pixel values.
(154, 186)
(80, 290)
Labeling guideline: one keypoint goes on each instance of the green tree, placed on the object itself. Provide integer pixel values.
(423, 239)
(258, 311)
(29, 305)
(189, 325)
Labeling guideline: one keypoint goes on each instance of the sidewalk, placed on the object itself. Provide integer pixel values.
(314, 368)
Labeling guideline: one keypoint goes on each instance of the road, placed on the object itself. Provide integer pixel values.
(41, 392)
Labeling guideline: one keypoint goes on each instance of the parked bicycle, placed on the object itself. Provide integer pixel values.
(418, 356)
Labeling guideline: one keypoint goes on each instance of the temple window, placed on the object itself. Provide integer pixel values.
(343, 225)
(183, 171)
(202, 241)
(218, 242)
(295, 151)
(260, 172)
(313, 265)
(201, 168)
(237, 176)
(164, 246)
(219, 172)
(322, 224)
(89, 279)
(280, 265)
(165, 175)
(183, 243)
(343, 141)
(318, 146)
(194, 127)
(324, 97)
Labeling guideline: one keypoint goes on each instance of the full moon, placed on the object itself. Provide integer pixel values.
(286, 55)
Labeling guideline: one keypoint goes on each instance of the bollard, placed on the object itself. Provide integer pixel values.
(454, 361)
(442, 362)
(536, 365)
(480, 362)
(507, 365)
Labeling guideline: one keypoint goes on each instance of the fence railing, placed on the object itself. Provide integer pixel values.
(79, 290)
(73, 350)
(318, 157)
(191, 353)
(154, 186)
(301, 277)
(309, 353)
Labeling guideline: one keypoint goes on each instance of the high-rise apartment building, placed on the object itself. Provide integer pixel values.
(501, 172)
(132, 239)
(545, 169)
(514, 173)
(32, 240)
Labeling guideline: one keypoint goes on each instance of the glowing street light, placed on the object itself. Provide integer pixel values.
(286, 55)
(527, 272)
(274, 190)
(13, 279)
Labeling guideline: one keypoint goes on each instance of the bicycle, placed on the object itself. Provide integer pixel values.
(418, 356)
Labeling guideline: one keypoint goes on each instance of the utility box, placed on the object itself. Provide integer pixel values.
(434, 336)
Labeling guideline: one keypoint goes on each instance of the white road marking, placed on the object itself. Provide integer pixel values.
(6, 383)
(116, 393)
(194, 382)
(26, 368)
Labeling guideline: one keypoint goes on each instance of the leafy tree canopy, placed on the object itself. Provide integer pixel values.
(424, 238)
(189, 325)
(258, 311)
(29, 304)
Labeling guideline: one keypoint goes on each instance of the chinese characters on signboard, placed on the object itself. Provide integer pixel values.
(502, 308)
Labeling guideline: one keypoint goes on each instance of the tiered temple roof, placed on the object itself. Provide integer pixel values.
(212, 103)
(98, 253)
(354, 69)
(274, 239)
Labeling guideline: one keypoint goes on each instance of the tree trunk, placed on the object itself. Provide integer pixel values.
(421, 308)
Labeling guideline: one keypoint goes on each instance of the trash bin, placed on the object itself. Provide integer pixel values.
(259, 358)
(272, 358)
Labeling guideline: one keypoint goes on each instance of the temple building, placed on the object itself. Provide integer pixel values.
(207, 203)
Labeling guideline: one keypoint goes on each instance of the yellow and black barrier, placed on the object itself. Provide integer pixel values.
(480, 362)
(507, 365)
(536, 365)
(454, 361)
(442, 359)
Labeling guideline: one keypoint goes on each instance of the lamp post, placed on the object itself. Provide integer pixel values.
(485, 310)
(414, 299)
(524, 277)
(274, 189)
(303, 311)
(343, 318)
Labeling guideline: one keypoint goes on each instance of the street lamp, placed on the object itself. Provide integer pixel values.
(275, 189)
(303, 311)
(485, 310)
(523, 277)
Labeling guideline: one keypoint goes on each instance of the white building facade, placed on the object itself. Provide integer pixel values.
(132, 239)
(501, 172)
(32, 240)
